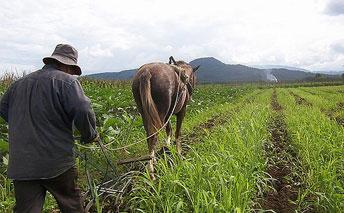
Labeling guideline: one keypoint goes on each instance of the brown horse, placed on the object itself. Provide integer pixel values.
(161, 90)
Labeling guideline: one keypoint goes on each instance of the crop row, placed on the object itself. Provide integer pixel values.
(225, 167)
(321, 148)
(119, 124)
(223, 172)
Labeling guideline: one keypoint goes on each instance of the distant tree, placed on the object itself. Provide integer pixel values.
(343, 76)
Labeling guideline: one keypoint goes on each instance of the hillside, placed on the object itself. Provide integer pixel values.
(122, 75)
(268, 66)
(214, 71)
(291, 75)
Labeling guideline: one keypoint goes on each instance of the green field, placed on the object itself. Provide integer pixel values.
(246, 148)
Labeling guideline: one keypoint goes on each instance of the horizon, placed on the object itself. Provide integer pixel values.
(277, 66)
(113, 36)
(271, 66)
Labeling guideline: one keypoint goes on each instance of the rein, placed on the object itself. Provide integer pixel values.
(183, 77)
(109, 163)
(102, 146)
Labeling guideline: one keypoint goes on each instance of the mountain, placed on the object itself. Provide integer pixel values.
(214, 71)
(291, 75)
(267, 67)
(122, 75)
(331, 72)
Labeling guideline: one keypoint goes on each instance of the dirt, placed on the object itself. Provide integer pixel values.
(340, 106)
(340, 121)
(282, 165)
(300, 100)
(331, 113)
(274, 103)
(202, 129)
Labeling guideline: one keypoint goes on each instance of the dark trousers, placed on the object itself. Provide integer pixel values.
(30, 194)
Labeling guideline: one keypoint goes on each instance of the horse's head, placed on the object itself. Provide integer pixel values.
(187, 69)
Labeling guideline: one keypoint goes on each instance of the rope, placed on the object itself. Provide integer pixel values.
(102, 147)
(140, 141)
(89, 178)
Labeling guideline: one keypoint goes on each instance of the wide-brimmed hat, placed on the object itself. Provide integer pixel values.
(65, 54)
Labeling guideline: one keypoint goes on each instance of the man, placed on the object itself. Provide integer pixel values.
(40, 109)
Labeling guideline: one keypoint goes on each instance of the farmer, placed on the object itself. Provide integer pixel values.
(40, 109)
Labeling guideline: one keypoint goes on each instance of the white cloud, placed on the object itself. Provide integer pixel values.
(116, 35)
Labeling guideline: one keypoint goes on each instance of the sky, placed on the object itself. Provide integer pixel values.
(114, 35)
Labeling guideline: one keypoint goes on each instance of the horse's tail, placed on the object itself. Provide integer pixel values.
(150, 113)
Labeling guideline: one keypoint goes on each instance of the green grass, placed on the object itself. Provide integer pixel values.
(224, 170)
(321, 148)
(221, 174)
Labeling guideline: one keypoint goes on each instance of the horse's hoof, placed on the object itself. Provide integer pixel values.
(152, 177)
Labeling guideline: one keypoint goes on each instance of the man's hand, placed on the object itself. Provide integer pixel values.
(97, 139)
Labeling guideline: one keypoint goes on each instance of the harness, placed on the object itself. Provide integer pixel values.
(185, 79)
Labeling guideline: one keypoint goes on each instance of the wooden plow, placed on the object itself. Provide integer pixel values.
(114, 188)
(136, 159)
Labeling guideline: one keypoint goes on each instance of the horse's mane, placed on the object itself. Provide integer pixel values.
(179, 63)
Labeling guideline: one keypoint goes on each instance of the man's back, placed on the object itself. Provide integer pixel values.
(41, 110)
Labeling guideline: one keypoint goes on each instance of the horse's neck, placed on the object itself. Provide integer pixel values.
(181, 73)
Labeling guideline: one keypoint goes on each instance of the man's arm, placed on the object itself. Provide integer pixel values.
(4, 105)
(78, 107)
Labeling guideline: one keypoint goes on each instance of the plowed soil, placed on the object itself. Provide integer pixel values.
(331, 113)
(282, 162)
(300, 100)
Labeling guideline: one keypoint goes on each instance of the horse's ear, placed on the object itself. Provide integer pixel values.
(195, 69)
(172, 60)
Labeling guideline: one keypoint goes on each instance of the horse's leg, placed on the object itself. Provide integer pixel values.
(151, 149)
(169, 133)
(151, 142)
(180, 118)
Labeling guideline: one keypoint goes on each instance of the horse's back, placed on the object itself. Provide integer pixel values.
(160, 72)
(162, 83)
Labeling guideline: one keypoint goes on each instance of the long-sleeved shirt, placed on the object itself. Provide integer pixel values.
(40, 109)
